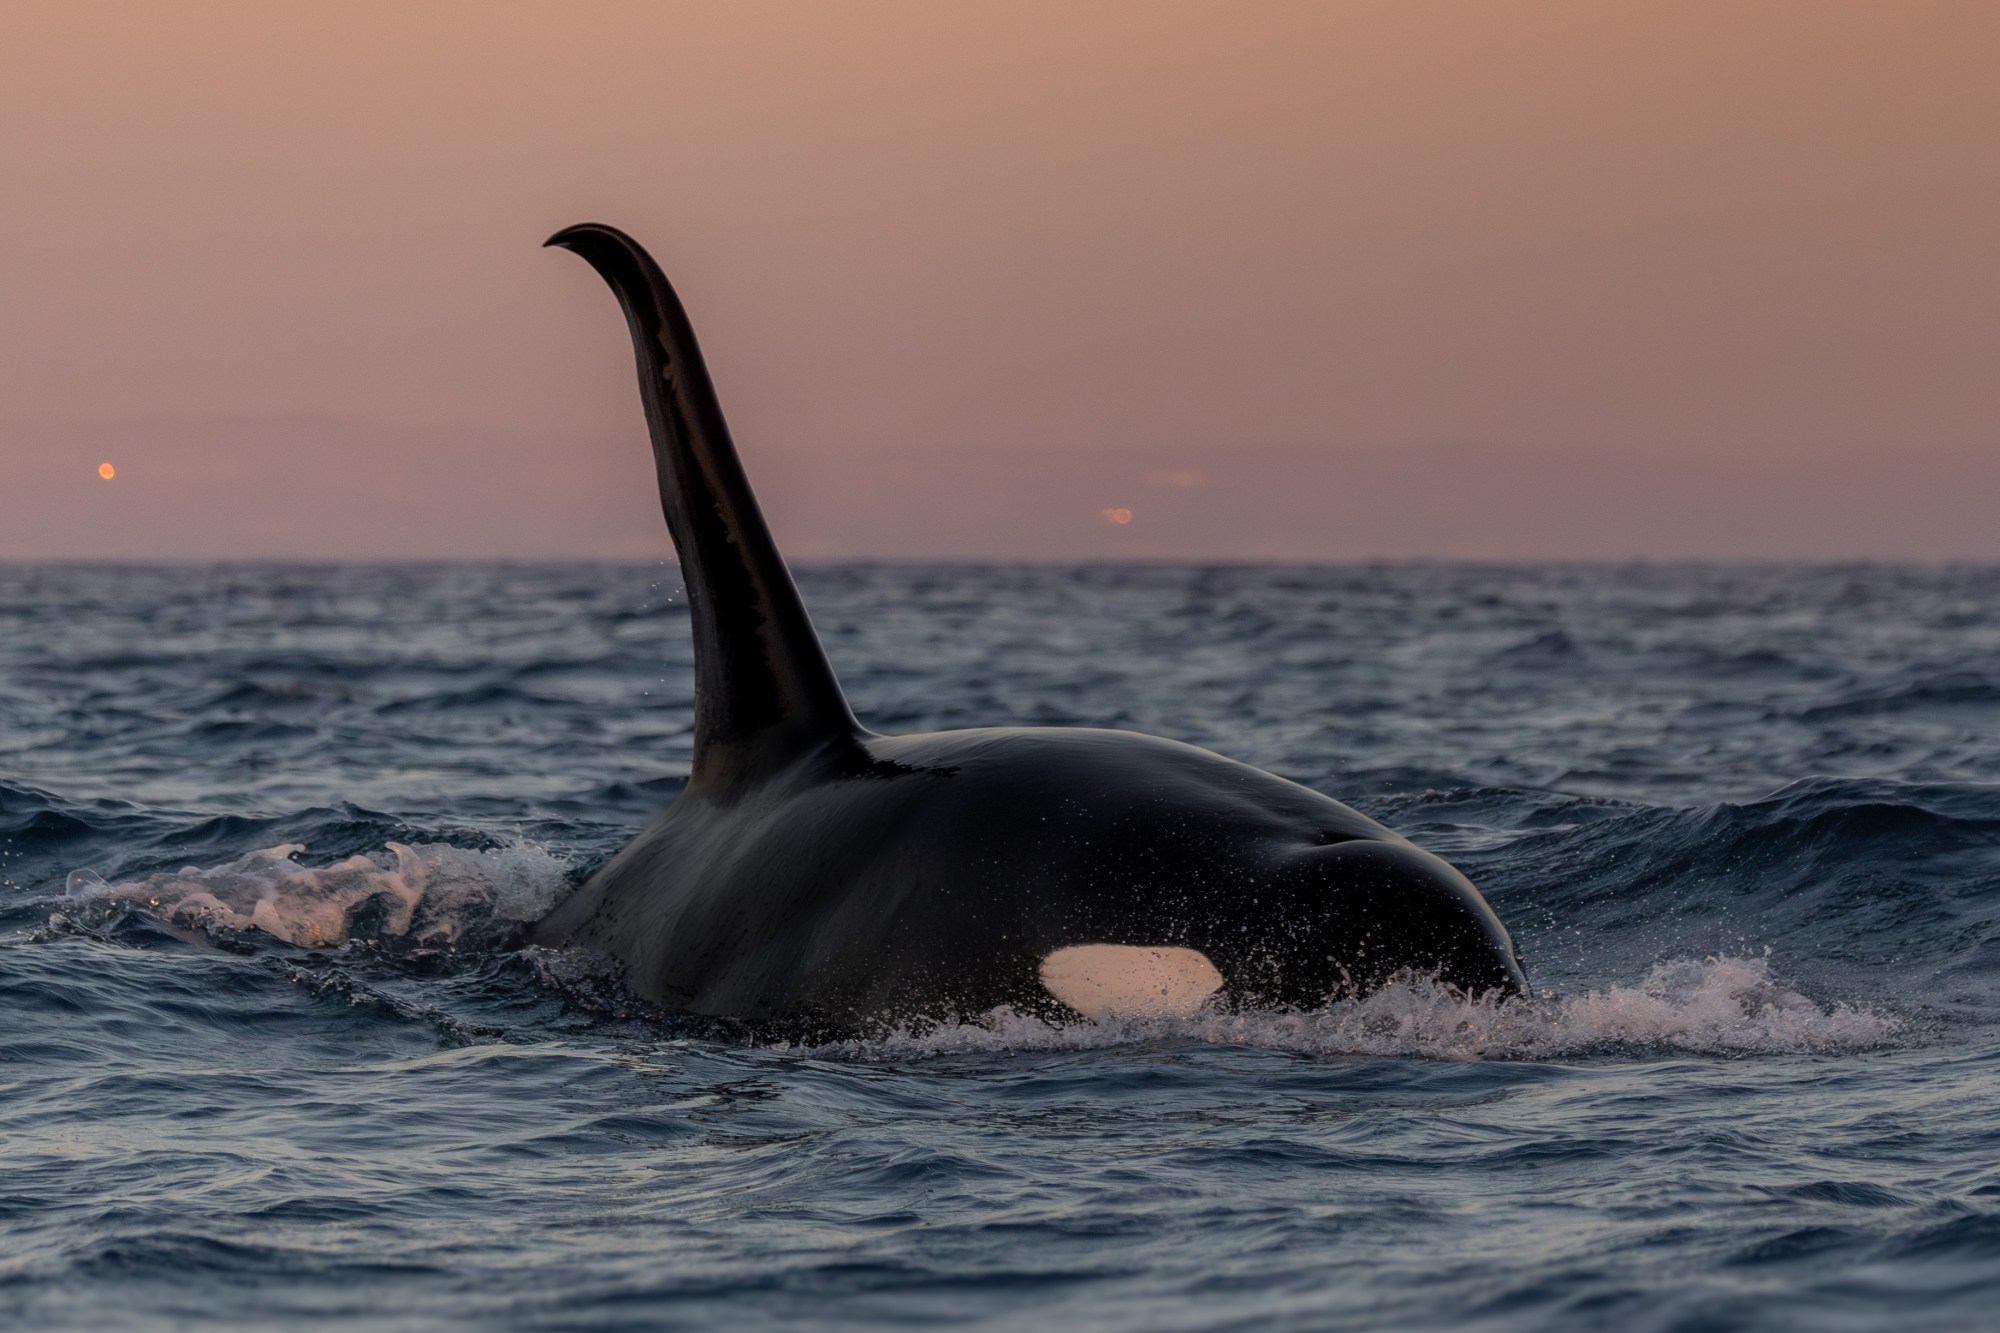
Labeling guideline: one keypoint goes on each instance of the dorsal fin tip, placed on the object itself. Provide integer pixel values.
(763, 688)
(569, 237)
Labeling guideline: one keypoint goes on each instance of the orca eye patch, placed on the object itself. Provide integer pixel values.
(1102, 981)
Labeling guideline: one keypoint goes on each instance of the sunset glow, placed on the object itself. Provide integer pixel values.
(1317, 280)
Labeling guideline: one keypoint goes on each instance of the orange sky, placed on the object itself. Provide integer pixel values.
(1325, 280)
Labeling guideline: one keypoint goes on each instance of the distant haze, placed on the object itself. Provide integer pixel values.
(1313, 281)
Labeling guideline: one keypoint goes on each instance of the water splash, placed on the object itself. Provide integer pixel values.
(1713, 1006)
(429, 894)
(434, 895)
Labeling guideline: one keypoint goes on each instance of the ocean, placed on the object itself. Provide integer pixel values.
(272, 1053)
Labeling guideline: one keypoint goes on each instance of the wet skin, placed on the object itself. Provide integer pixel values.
(815, 874)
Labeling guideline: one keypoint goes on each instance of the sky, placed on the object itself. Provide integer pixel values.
(1268, 281)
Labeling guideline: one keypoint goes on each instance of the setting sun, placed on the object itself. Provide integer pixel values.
(1120, 516)
(106, 471)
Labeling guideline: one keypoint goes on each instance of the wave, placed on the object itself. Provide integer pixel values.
(1880, 895)
(428, 895)
(1550, 648)
(36, 825)
(1714, 1006)
(434, 896)
(1899, 878)
(1942, 690)
(1818, 831)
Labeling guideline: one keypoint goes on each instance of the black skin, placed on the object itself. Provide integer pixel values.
(814, 876)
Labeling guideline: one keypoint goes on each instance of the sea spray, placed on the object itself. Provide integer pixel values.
(429, 894)
(1713, 1006)
(435, 895)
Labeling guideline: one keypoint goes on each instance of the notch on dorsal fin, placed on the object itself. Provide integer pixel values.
(763, 692)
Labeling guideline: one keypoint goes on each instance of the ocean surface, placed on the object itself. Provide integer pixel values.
(271, 1054)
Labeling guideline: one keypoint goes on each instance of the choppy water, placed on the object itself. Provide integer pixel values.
(1744, 823)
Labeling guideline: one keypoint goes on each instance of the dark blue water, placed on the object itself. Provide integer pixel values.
(272, 1056)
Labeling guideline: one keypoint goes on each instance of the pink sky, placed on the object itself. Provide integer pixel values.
(1314, 281)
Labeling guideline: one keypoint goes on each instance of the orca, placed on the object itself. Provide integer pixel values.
(815, 876)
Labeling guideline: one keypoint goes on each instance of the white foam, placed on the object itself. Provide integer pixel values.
(428, 893)
(433, 895)
(1715, 1006)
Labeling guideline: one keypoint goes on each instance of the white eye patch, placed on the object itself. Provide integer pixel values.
(1103, 981)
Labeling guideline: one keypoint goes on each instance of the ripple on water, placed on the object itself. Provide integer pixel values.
(278, 1058)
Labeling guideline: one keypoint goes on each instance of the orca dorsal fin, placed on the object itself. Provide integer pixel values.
(763, 691)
